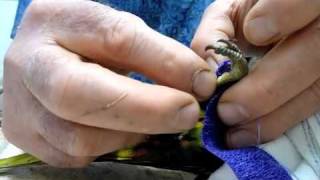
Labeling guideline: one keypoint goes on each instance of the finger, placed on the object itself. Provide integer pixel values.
(119, 39)
(277, 122)
(19, 129)
(216, 24)
(78, 140)
(47, 153)
(282, 74)
(270, 20)
(224, 20)
(91, 95)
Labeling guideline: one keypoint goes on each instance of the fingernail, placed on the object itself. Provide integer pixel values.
(231, 113)
(188, 116)
(261, 30)
(203, 84)
(240, 138)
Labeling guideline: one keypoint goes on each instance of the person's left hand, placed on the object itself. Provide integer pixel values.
(283, 88)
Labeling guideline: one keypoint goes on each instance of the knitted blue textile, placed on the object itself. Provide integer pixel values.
(176, 19)
(249, 163)
(179, 20)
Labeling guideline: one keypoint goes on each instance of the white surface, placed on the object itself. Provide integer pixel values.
(298, 151)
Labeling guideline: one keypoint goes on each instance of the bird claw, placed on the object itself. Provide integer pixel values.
(230, 44)
(239, 67)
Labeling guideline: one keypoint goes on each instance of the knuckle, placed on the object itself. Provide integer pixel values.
(9, 60)
(7, 130)
(51, 78)
(121, 34)
(196, 45)
(33, 73)
(60, 92)
(42, 75)
(78, 145)
(210, 8)
(13, 57)
(36, 18)
(39, 8)
(65, 86)
(223, 4)
(65, 136)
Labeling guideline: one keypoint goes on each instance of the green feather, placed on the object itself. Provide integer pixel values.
(19, 160)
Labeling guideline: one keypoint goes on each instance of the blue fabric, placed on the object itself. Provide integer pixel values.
(23, 4)
(250, 163)
(179, 20)
(176, 19)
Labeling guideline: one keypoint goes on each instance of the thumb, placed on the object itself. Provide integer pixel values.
(271, 20)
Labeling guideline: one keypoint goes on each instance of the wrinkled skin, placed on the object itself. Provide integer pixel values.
(66, 96)
(66, 100)
(283, 88)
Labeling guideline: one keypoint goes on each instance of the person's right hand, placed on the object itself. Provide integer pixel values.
(66, 99)
(283, 88)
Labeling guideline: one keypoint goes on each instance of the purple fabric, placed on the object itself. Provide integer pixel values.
(224, 67)
(249, 163)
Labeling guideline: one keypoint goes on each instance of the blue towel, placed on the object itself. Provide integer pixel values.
(179, 20)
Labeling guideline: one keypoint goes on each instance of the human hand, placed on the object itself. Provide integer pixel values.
(66, 99)
(283, 88)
